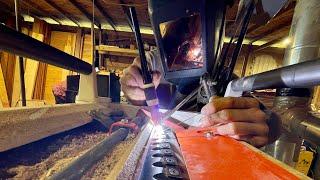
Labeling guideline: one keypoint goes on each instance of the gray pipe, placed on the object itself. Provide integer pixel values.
(305, 74)
(294, 112)
(304, 33)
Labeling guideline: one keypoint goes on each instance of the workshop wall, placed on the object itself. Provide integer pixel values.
(316, 98)
(263, 61)
(41, 77)
(63, 41)
(258, 62)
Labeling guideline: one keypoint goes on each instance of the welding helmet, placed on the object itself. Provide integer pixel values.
(189, 35)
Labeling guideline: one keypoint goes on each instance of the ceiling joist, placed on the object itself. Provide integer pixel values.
(268, 44)
(84, 12)
(35, 7)
(269, 32)
(62, 12)
(105, 15)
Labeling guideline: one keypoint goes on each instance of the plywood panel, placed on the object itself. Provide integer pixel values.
(262, 63)
(63, 41)
(8, 66)
(87, 49)
(31, 71)
(68, 48)
(316, 98)
(238, 67)
(16, 85)
(42, 69)
(78, 50)
(39, 29)
(53, 77)
(3, 91)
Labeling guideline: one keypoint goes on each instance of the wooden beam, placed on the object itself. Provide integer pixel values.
(269, 32)
(105, 15)
(282, 21)
(84, 12)
(116, 51)
(268, 44)
(61, 11)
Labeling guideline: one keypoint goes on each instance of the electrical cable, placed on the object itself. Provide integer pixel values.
(225, 54)
(243, 31)
(219, 41)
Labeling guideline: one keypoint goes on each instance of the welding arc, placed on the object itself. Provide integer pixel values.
(77, 168)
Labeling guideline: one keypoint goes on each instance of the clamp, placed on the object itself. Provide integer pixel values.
(126, 124)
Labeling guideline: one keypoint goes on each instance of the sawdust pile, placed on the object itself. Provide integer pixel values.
(104, 168)
(41, 159)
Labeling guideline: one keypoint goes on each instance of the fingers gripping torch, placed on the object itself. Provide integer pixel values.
(149, 88)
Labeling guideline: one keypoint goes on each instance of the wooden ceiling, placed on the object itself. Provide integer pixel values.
(112, 13)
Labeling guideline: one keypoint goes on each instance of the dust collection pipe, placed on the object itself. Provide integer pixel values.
(302, 70)
(305, 74)
(25, 46)
(302, 61)
(305, 37)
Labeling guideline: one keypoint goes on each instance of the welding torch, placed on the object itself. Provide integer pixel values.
(149, 87)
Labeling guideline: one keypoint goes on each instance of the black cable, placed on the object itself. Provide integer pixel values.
(224, 57)
(220, 38)
(240, 40)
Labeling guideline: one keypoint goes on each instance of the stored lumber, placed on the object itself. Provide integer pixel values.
(116, 51)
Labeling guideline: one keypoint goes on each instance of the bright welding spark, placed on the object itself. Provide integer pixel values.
(196, 52)
(158, 130)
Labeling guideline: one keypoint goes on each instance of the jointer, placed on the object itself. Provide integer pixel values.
(172, 152)
(157, 152)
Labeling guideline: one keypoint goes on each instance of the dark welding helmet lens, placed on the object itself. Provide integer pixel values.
(182, 43)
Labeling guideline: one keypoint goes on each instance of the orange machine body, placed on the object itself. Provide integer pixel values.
(220, 157)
